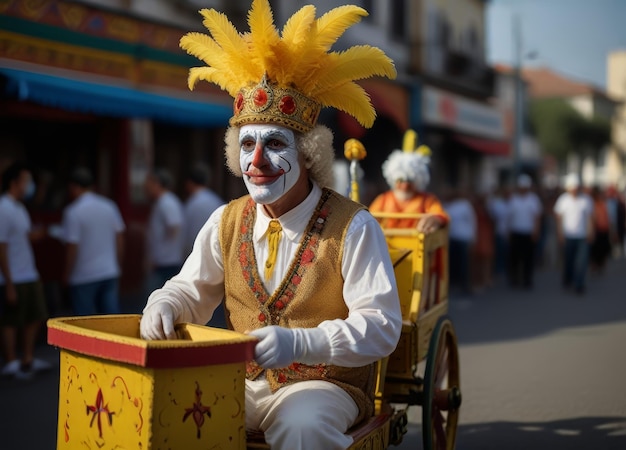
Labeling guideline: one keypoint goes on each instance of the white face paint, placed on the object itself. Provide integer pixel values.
(269, 161)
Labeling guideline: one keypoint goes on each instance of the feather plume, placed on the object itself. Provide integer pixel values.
(323, 34)
(335, 22)
(351, 99)
(224, 32)
(264, 34)
(236, 49)
(203, 47)
(201, 73)
(305, 59)
(356, 63)
(296, 30)
(206, 49)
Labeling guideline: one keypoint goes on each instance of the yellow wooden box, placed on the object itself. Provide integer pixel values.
(118, 391)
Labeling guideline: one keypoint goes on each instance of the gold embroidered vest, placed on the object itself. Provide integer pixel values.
(310, 293)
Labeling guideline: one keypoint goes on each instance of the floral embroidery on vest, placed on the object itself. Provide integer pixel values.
(271, 306)
(319, 371)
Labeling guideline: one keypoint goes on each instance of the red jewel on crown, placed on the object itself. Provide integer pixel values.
(260, 97)
(287, 105)
(238, 103)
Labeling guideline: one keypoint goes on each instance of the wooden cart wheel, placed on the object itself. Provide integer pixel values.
(442, 388)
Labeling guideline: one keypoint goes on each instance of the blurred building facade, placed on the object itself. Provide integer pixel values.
(459, 116)
(530, 159)
(616, 88)
(597, 166)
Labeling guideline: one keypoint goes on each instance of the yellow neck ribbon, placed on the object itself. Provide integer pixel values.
(273, 238)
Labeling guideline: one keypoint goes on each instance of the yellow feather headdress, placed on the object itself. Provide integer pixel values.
(286, 78)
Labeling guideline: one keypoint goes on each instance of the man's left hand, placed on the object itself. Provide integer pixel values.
(275, 348)
(429, 223)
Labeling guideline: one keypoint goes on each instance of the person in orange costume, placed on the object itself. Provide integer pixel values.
(406, 172)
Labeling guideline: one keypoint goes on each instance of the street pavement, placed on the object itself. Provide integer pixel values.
(542, 370)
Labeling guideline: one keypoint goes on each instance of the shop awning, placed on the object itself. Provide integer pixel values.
(113, 101)
(487, 146)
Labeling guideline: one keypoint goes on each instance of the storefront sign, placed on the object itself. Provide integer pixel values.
(441, 108)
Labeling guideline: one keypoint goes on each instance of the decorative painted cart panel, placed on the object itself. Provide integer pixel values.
(118, 391)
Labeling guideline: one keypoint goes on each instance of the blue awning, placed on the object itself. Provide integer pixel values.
(113, 101)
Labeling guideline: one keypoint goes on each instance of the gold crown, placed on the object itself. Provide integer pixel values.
(286, 78)
(268, 103)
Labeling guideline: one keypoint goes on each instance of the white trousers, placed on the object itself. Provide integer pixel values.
(307, 415)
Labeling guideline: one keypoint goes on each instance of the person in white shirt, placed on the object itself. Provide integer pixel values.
(200, 204)
(462, 235)
(299, 266)
(93, 232)
(574, 226)
(165, 234)
(22, 304)
(524, 221)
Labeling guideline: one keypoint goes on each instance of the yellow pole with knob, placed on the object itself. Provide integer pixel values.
(354, 151)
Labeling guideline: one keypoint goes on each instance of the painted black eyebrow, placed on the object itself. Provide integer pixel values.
(275, 134)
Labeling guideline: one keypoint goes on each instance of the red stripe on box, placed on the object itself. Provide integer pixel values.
(157, 358)
(161, 358)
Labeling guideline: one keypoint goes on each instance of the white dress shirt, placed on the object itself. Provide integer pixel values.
(92, 222)
(575, 212)
(374, 322)
(462, 220)
(198, 209)
(524, 209)
(15, 227)
(166, 248)
(498, 208)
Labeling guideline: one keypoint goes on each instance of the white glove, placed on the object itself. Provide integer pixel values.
(157, 322)
(278, 347)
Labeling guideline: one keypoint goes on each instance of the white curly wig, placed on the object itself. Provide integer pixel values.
(407, 166)
(316, 146)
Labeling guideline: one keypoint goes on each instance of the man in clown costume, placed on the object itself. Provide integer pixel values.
(300, 267)
(406, 171)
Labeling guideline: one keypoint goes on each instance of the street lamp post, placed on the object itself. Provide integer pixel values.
(518, 98)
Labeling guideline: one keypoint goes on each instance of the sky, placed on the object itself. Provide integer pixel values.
(572, 37)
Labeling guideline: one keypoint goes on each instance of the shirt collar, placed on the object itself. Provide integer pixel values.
(199, 193)
(85, 196)
(293, 222)
(10, 198)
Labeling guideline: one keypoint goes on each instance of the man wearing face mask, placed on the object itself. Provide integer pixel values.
(300, 267)
(22, 304)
